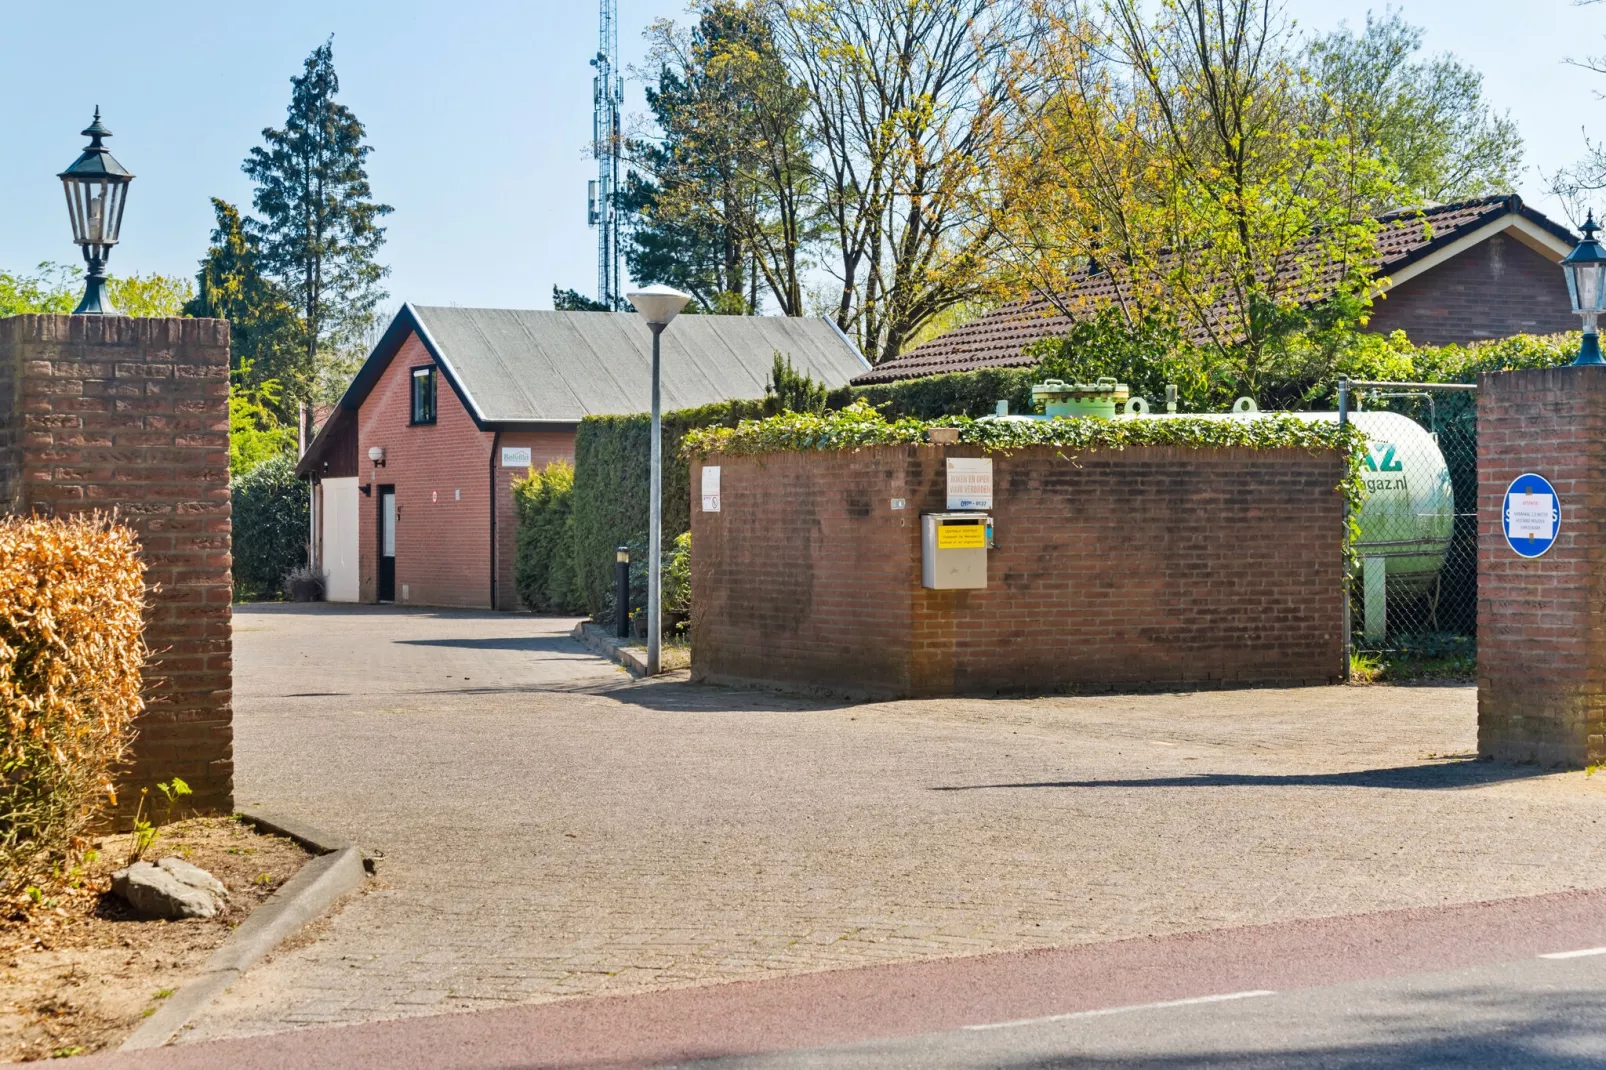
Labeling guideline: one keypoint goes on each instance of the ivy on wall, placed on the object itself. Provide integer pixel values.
(859, 426)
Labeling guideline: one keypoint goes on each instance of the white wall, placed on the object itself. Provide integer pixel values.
(340, 538)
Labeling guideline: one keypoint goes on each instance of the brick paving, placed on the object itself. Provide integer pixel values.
(550, 829)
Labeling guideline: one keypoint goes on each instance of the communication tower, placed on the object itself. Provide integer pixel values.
(608, 94)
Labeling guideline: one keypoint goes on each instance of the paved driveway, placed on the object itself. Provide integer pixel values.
(551, 829)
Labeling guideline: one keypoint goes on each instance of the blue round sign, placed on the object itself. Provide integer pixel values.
(1531, 515)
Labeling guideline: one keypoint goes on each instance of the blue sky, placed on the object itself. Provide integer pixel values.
(479, 113)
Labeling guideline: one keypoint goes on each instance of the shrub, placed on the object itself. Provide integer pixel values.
(271, 515)
(677, 576)
(72, 598)
(974, 393)
(306, 584)
(543, 562)
(612, 467)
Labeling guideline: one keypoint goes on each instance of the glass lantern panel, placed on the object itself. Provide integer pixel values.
(1590, 292)
(95, 217)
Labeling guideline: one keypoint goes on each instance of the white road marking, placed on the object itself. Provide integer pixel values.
(1575, 954)
(1125, 1010)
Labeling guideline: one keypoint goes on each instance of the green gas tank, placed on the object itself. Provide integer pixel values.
(1080, 399)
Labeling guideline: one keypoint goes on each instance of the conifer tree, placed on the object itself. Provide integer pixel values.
(317, 230)
(265, 343)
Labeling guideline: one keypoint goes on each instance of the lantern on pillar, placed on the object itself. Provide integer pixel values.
(1585, 268)
(97, 189)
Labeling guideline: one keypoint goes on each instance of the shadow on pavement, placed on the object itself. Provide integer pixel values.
(680, 694)
(1435, 776)
(514, 642)
(1477, 1027)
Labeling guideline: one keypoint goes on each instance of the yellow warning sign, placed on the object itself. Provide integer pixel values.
(961, 537)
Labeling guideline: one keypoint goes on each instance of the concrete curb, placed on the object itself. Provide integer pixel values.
(316, 885)
(595, 639)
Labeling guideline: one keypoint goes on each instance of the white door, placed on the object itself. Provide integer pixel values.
(339, 563)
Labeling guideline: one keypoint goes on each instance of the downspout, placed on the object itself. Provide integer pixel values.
(496, 450)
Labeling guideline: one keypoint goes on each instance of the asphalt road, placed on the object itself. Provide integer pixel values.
(1535, 1013)
(1468, 985)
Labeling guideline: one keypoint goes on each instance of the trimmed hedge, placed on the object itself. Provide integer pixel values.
(543, 563)
(974, 393)
(272, 511)
(612, 470)
(72, 602)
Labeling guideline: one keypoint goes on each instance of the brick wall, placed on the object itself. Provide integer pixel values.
(1140, 567)
(1498, 288)
(132, 415)
(1542, 622)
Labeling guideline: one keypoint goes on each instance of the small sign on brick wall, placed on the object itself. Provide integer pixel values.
(970, 482)
(711, 488)
(515, 456)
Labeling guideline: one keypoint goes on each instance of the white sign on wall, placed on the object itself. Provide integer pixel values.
(515, 456)
(970, 482)
(711, 488)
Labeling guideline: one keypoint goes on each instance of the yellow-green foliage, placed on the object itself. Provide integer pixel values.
(543, 563)
(72, 599)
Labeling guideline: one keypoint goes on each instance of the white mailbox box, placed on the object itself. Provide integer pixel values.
(953, 550)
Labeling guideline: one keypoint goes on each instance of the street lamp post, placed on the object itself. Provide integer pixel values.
(1585, 268)
(97, 189)
(658, 305)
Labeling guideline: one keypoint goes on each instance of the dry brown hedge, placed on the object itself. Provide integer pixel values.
(72, 600)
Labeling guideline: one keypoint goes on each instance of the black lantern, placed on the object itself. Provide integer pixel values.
(97, 189)
(1585, 268)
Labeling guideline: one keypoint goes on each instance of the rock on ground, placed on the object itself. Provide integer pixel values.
(171, 889)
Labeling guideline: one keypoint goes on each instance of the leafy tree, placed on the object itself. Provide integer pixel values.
(903, 96)
(56, 288)
(722, 199)
(266, 354)
(575, 301)
(48, 290)
(1177, 154)
(318, 234)
(1426, 117)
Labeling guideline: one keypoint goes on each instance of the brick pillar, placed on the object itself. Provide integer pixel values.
(1542, 621)
(109, 412)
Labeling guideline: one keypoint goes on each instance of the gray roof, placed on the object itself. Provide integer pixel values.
(518, 366)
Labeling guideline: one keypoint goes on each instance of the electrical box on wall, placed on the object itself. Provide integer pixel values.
(953, 550)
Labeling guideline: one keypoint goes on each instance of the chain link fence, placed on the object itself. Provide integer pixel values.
(1414, 597)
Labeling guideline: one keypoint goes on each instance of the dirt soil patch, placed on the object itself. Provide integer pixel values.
(78, 973)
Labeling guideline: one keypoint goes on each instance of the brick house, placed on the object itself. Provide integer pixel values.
(454, 404)
(1460, 272)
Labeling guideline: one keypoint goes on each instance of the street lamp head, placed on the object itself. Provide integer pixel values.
(1585, 268)
(658, 304)
(97, 189)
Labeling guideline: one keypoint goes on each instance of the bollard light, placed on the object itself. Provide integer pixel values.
(97, 189)
(1585, 268)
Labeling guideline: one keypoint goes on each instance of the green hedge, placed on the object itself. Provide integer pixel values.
(272, 512)
(612, 467)
(543, 563)
(974, 393)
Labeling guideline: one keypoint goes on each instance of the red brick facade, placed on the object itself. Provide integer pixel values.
(445, 474)
(1132, 568)
(1542, 621)
(108, 412)
(1497, 288)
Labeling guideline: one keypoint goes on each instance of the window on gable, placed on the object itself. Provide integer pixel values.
(424, 395)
